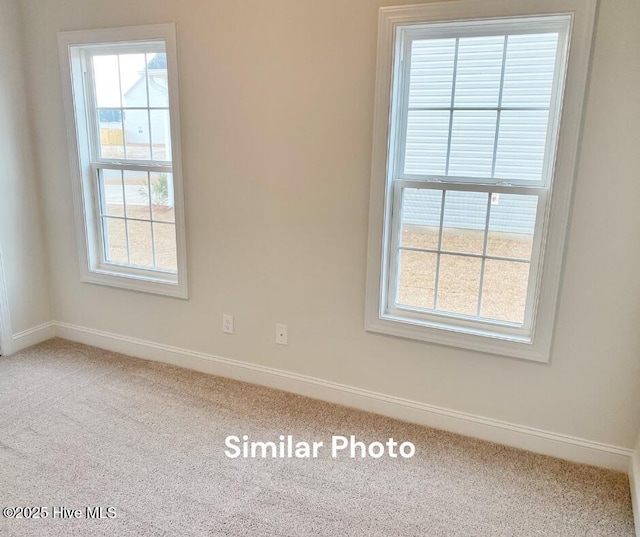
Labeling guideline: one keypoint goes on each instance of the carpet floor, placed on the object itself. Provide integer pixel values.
(82, 427)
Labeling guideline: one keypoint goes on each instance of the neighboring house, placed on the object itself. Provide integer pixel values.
(136, 121)
(468, 210)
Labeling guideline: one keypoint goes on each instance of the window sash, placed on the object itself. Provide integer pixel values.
(458, 30)
(452, 321)
(101, 216)
(92, 108)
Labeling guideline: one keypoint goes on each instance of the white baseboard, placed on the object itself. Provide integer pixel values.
(33, 336)
(634, 484)
(528, 438)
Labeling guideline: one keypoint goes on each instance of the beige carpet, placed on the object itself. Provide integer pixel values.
(84, 427)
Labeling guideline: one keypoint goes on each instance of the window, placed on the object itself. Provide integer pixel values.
(476, 133)
(123, 123)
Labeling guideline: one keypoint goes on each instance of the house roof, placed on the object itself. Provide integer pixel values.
(159, 61)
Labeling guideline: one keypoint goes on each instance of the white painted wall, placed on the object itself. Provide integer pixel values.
(21, 242)
(277, 103)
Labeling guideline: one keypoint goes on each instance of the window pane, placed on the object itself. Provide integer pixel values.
(107, 81)
(140, 244)
(162, 202)
(427, 141)
(158, 84)
(479, 71)
(111, 192)
(504, 290)
(420, 221)
(136, 188)
(459, 284)
(431, 77)
(465, 217)
(521, 144)
(416, 278)
(111, 134)
(164, 236)
(511, 225)
(472, 142)
(136, 131)
(529, 69)
(115, 238)
(132, 76)
(160, 134)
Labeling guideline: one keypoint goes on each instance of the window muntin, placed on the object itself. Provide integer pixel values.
(123, 121)
(474, 123)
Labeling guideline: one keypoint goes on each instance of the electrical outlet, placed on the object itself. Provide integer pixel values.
(227, 324)
(281, 334)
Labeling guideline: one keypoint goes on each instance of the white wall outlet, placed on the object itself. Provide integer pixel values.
(227, 324)
(281, 334)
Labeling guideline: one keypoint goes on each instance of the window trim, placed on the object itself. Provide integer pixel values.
(86, 204)
(536, 346)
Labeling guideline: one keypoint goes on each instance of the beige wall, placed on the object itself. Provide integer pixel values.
(20, 226)
(277, 104)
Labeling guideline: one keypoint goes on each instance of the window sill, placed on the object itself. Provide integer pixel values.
(171, 287)
(452, 336)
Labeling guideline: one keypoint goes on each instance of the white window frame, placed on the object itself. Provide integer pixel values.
(6, 334)
(84, 166)
(533, 341)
